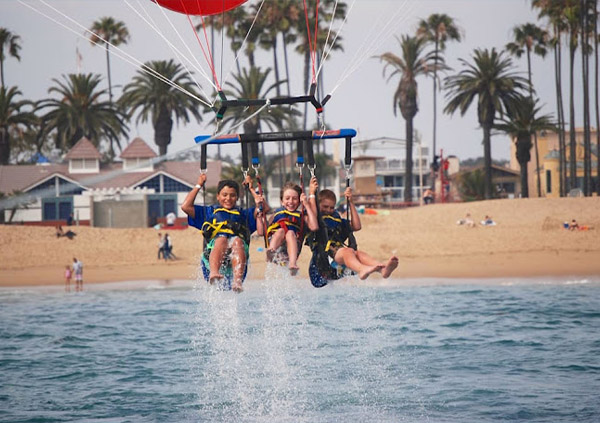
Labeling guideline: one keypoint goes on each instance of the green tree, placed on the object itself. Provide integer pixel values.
(251, 85)
(530, 38)
(11, 43)
(521, 123)
(438, 29)
(109, 31)
(159, 102)
(412, 63)
(80, 111)
(471, 185)
(14, 119)
(490, 79)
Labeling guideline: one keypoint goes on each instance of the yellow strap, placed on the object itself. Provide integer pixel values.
(217, 228)
(335, 219)
(295, 214)
(226, 210)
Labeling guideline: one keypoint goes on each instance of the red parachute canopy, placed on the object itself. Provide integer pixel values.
(200, 7)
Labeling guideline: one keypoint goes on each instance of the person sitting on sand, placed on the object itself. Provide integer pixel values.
(60, 233)
(573, 225)
(488, 221)
(288, 224)
(467, 221)
(339, 230)
(225, 227)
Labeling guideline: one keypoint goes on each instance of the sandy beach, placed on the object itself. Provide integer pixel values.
(527, 241)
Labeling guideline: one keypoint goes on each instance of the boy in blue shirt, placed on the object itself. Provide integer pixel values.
(226, 228)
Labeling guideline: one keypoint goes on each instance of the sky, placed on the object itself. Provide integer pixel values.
(362, 96)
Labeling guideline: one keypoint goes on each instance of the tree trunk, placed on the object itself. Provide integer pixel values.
(597, 100)
(562, 163)
(524, 180)
(572, 140)
(435, 93)
(162, 130)
(535, 140)
(408, 174)
(487, 159)
(110, 98)
(4, 146)
(586, 102)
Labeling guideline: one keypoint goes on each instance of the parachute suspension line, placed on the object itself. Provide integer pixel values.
(116, 52)
(386, 31)
(208, 57)
(312, 46)
(326, 50)
(236, 59)
(222, 37)
(300, 167)
(174, 49)
(203, 170)
(256, 167)
(197, 66)
(347, 167)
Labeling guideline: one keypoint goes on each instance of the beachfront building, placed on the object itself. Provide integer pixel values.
(379, 171)
(549, 174)
(135, 192)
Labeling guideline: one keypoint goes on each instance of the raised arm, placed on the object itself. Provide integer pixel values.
(188, 204)
(311, 216)
(354, 216)
(313, 187)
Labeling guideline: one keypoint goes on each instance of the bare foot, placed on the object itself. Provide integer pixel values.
(270, 254)
(364, 274)
(293, 270)
(390, 266)
(237, 287)
(214, 277)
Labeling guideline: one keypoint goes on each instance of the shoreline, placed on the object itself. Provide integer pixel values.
(530, 265)
(528, 241)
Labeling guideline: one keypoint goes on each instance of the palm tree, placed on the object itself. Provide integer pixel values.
(491, 80)
(521, 123)
(527, 38)
(251, 85)
(13, 119)
(10, 42)
(438, 28)
(109, 32)
(553, 10)
(79, 111)
(160, 102)
(412, 63)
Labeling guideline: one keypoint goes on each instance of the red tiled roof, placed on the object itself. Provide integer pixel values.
(84, 149)
(22, 177)
(138, 149)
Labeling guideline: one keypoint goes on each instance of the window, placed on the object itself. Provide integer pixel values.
(45, 189)
(67, 187)
(171, 185)
(152, 183)
(160, 206)
(58, 208)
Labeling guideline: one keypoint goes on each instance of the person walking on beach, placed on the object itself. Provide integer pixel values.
(78, 270)
(168, 248)
(68, 275)
(161, 246)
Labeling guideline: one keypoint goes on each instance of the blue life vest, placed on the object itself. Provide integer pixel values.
(226, 221)
(285, 219)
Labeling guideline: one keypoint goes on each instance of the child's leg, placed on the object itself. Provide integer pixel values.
(364, 258)
(238, 261)
(292, 249)
(276, 239)
(216, 257)
(348, 257)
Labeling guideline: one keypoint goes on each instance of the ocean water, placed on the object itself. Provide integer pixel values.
(404, 351)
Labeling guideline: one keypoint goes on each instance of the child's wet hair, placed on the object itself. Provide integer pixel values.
(327, 194)
(290, 185)
(229, 183)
